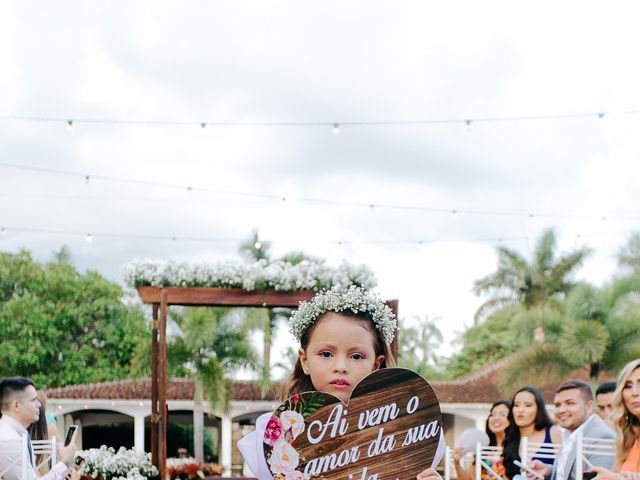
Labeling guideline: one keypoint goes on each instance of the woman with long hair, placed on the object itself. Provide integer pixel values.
(626, 420)
(495, 427)
(528, 417)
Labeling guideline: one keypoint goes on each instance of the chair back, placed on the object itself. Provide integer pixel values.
(46, 448)
(587, 446)
(485, 455)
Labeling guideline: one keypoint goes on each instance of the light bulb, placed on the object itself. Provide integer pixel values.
(87, 179)
(257, 245)
(3, 232)
(336, 129)
(89, 238)
(70, 125)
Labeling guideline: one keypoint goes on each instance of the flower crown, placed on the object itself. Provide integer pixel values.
(355, 299)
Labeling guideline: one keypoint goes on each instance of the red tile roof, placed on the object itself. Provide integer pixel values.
(480, 386)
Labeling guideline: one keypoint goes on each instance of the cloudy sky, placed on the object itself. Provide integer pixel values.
(269, 78)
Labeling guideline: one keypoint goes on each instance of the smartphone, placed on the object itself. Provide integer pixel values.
(528, 470)
(70, 433)
(588, 475)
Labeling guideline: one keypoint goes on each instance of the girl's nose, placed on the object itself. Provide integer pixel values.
(340, 365)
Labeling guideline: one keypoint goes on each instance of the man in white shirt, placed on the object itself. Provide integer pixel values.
(20, 407)
(575, 413)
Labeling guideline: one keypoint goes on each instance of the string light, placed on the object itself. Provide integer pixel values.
(257, 245)
(70, 125)
(3, 232)
(364, 123)
(87, 179)
(322, 201)
(89, 238)
(335, 130)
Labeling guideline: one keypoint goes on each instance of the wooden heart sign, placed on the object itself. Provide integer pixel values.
(389, 431)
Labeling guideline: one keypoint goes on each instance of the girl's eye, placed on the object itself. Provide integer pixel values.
(357, 356)
(325, 354)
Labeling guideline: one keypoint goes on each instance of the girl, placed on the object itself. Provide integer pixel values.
(496, 426)
(343, 337)
(626, 418)
(528, 418)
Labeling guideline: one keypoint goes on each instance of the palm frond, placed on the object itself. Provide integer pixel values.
(584, 342)
(539, 364)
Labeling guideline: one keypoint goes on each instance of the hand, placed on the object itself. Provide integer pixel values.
(429, 474)
(539, 467)
(458, 453)
(605, 474)
(630, 475)
(66, 454)
(75, 473)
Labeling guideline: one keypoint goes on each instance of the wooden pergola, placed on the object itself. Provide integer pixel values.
(161, 298)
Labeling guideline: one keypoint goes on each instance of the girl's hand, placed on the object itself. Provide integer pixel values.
(606, 474)
(429, 474)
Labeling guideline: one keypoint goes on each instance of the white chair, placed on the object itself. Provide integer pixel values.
(485, 455)
(528, 450)
(46, 448)
(586, 446)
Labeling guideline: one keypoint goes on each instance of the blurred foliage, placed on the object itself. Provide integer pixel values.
(59, 326)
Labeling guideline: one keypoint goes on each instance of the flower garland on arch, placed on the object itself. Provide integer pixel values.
(313, 275)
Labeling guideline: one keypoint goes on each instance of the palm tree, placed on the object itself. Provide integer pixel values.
(207, 344)
(629, 255)
(533, 285)
(266, 320)
(418, 343)
(598, 329)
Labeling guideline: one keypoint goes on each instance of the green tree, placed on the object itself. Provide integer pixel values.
(534, 285)
(60, 327)
(208, 345)
(629, 255)
(418, 344)
(596, 328)
(266, 320)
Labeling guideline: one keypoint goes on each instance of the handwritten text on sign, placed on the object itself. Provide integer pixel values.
(389, 430)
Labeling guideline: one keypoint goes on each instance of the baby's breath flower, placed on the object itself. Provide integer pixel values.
(355, 300)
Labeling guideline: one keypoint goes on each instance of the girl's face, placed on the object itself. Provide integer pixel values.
(524, 409)
(340, 353)
(498, 421)
(631, 393)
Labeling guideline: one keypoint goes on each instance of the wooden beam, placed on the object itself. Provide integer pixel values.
(162, 389)
(228, 297)
(154, 387)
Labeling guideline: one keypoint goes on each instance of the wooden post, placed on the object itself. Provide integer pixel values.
(154, 387)
(162, 387)
(393, 305)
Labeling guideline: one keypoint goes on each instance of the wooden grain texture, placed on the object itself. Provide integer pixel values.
(381, 388)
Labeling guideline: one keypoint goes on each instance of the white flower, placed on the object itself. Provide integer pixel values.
(296, 475)
(292, 421)
(284, 458)
(311, 274)
(355, 300)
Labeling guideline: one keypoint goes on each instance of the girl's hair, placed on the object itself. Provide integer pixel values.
(626, 424)
(512, 437)
(40, 431)
(298, 381)
(492, 436)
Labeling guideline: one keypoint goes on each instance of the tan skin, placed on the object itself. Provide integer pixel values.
(498, 423)
(339, 354)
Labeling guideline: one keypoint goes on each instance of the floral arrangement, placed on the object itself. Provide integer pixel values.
(107, 464)
(278, 275)
(190, 469)
(284, 426)
(355, 299)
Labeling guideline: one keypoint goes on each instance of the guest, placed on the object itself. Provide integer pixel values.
(604, 399)
(20, 408)
(527, 418)
(626, 419)
(496, 425)
(574, 413)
